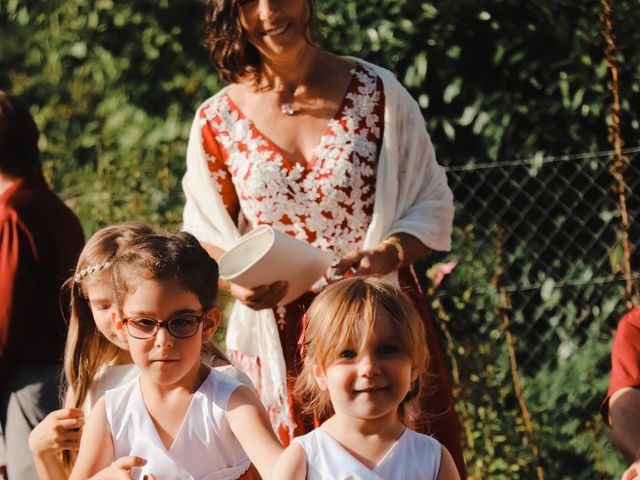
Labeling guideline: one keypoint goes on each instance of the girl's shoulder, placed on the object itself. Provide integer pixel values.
(418, 452)
(112, 376)
(310, 439)
(120, 394)
(235, 373)
(218, 388)
(419, 440)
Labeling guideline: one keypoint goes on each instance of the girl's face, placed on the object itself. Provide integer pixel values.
(164, 358)
(101, 301)
(274, 27)
(371, 381)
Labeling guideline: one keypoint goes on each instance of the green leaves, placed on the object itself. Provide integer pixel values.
(114, 94)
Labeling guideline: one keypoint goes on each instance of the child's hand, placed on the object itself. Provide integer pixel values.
(121, 469)
(60, 430)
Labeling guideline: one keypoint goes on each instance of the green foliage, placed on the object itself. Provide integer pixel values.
(114, 86)
(562, 341)
(497, 80)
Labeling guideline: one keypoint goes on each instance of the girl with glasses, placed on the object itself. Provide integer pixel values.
(180, 419)
(364, 355)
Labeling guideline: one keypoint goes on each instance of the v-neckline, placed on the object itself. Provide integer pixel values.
(380, 462)
(308, 165)
(184, 420)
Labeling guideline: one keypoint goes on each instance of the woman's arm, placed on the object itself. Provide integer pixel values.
(292, 464)
(60, 430)
(96, 446)
(250, 424)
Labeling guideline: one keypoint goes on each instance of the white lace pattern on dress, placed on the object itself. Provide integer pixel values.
(329, 202)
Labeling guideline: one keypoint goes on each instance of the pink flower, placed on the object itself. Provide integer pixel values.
(441, 270)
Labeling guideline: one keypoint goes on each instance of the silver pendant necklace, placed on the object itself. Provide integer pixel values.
(286, 108)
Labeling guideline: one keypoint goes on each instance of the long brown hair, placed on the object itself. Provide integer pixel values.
(87, 349)
(342, 317)
(232, 54)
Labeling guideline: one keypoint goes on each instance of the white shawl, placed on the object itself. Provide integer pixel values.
(412, 196)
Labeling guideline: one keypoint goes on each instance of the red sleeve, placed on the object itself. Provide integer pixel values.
(17, 286)
(625, 357)
(219, 170)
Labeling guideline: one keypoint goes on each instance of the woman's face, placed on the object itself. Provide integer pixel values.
(275, 27)
(102, 303)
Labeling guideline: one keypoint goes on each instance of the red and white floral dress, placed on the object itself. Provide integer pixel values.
(328, 203)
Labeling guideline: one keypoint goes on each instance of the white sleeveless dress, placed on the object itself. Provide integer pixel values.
(107, 378)
(205, 448)
(414, 456)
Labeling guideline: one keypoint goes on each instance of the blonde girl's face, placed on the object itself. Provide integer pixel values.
(100, 296)
(369, 381)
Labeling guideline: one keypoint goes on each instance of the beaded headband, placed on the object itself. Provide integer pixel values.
(90, 270)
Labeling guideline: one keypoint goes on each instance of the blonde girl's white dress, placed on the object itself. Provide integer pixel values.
(205, 448)
(107, 378)
(413, 456)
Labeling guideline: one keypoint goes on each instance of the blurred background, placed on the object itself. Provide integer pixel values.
(534, 111)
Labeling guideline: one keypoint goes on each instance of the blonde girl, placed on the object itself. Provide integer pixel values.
(364, 356)
(95, 358)
(180, 419)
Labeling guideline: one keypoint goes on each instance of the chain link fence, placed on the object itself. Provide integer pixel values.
(529, 311)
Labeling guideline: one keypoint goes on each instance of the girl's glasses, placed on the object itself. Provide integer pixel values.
(181, 326)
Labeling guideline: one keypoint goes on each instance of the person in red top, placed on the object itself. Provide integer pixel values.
(621, 406)
(40, 239)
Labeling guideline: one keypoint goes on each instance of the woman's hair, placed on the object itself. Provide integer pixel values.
(19, 153)
(232, 54)
(342, 317)
(179, 257)
(87, 349)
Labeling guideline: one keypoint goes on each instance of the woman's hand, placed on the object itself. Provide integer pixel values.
(379, 261)
(121, 469)
(60, 430)
(258, 298)
(633, 472)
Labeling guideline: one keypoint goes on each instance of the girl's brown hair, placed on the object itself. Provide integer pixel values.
(179, 257)
(342, 317)
(86, 349)
(232, 54)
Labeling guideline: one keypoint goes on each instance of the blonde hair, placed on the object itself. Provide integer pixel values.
(342, 317)
(86, 349)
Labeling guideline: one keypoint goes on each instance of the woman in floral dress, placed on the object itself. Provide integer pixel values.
(328, 149)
